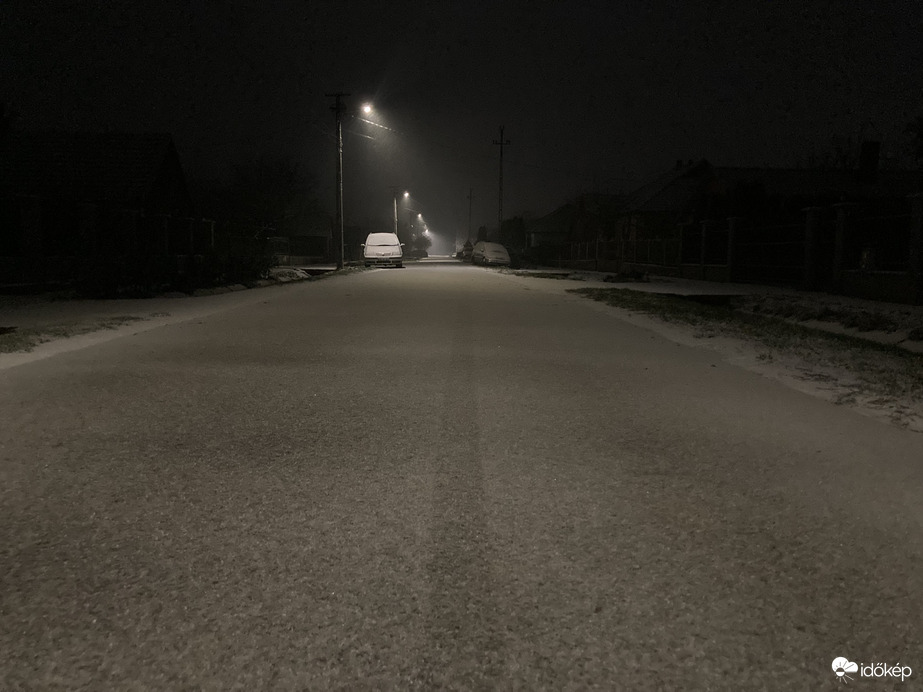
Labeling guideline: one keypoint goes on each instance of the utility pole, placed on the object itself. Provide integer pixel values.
(502, 143)
(394, 189)
(338, 107)
(470, 199)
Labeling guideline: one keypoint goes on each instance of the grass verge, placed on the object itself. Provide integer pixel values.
(14, 340)
(884, 369)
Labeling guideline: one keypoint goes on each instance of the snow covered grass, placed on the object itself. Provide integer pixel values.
(14, 339)
(882, 370)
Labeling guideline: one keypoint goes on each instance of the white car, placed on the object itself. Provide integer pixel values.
(383, 250)
(490, 253)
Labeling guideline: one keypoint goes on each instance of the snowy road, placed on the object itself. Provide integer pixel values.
(443, 478)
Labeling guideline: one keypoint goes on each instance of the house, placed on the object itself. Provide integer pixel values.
(65, 194)
(587, 219)
(809, 227)
(698, 191)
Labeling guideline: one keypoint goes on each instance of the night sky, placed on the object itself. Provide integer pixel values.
(594, 96)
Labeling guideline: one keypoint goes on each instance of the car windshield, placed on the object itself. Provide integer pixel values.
(382, 239)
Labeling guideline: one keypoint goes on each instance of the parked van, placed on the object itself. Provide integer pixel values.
(490, 253)
(383, 250)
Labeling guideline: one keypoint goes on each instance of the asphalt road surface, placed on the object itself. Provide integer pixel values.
(441, 477)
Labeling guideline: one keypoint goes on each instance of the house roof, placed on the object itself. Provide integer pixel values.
(93, 167)
(558, 221)
(562, 219)
(790, 182)
(672, 190)
(669, 189)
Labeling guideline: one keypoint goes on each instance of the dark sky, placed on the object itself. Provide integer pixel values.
(594, 95)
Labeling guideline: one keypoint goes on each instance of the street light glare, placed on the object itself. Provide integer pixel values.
(367, 108)
(406, 194)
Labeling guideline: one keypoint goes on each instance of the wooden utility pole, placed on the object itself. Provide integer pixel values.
(338, 107)
(470, 200)
(502, 142)
(394, 190)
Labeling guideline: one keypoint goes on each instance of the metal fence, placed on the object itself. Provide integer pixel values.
(768, 253)
(877, 243)
(826, 250)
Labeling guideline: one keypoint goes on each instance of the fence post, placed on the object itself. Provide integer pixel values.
(811, 225)
(733, 222)
(839, 248)
(916, 246)
(682, 243)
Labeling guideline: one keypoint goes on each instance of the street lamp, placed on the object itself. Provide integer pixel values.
(338, 109)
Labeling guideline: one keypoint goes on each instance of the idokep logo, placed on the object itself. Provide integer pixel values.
(843, 666)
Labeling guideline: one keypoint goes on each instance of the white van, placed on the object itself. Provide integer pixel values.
(383, 250)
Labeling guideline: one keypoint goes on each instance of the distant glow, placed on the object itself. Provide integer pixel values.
(419, 216)
(406, 195)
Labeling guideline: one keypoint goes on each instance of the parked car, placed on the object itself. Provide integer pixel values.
(383, 250)
(490, 253)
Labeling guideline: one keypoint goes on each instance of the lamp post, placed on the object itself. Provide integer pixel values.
(338, 109)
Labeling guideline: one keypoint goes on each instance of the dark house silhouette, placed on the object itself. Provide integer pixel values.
(850, 231)
(817, 228)
(65, 194)
(585, 219)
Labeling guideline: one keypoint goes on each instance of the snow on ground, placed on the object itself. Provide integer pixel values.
(57, 325)
(33, 327)
(868, 380)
